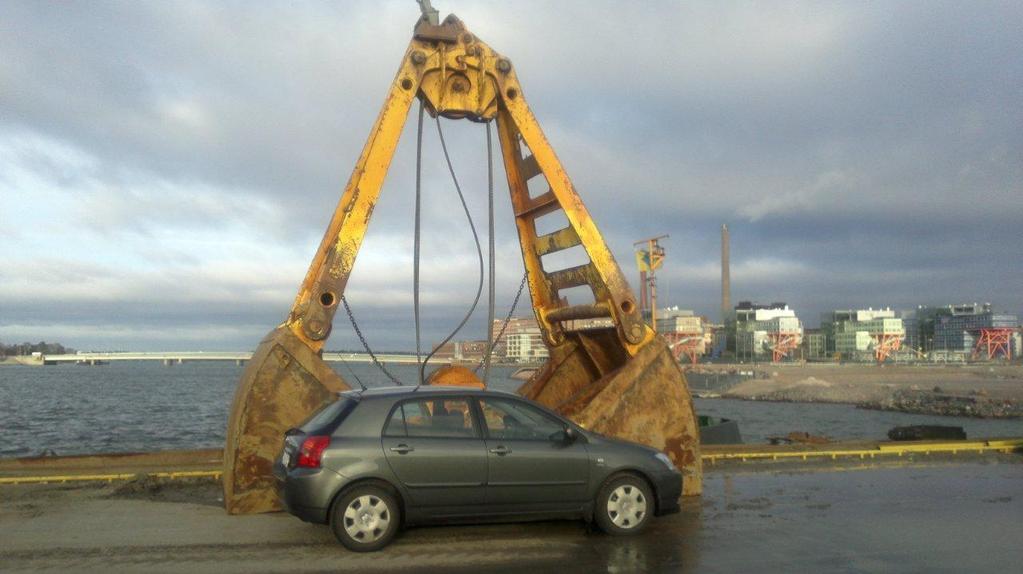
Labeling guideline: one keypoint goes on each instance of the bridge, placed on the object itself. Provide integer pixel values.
(176, 358)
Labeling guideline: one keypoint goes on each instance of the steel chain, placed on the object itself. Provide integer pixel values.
(365, 345)
(504, 326)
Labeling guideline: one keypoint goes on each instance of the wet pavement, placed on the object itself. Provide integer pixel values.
(938, 517)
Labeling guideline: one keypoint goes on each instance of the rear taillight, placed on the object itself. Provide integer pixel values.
(312, 451)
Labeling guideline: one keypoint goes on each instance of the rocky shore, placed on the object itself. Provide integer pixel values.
(975, 391)
(938, 403)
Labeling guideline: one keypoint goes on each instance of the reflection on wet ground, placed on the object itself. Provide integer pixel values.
(942, 518)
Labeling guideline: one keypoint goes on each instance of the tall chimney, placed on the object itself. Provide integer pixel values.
(726, 280)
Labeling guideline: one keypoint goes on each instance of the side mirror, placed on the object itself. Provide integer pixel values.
(565, 436)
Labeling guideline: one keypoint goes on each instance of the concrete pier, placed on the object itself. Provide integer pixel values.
(960, 516)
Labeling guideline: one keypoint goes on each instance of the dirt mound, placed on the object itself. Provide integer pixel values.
(193, 490)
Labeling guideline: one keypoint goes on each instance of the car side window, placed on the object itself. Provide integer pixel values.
(396, 424)
(437, 418)
(515, 420)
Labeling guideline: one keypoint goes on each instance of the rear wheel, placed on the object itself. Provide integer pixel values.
(624, 505)
(365, 518)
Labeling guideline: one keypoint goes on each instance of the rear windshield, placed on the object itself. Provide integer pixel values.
(329, 416)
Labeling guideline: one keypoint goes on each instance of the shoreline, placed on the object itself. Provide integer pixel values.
(20, 361)
(1016, 414)
(976, 391)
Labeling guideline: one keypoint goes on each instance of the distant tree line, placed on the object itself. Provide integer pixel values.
(20, 349)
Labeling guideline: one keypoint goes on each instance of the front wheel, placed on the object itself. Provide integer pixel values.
(366, 518)
(624, 505)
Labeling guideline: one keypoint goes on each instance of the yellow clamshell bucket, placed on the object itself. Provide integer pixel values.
(608, 371)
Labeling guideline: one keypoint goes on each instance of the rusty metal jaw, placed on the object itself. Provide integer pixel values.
(282, 384)
(642, 397)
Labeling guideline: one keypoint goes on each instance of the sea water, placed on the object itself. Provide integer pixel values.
(136, 406)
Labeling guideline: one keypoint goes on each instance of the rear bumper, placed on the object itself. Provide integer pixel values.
(306, 513)
(307, 493)
(668, 489)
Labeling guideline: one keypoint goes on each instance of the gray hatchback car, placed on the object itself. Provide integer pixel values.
(378, 459)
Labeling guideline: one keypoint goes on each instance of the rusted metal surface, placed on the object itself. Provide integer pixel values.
(578, 312)
(621, 381)
(283, 383)
(454, 376)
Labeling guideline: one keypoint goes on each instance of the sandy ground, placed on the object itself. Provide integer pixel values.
(866, 383)
(18, 361)
(941, 516)
(127, 463)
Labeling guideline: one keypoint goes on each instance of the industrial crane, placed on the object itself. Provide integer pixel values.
(620, 380)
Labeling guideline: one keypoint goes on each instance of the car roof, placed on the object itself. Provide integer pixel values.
(420, 390)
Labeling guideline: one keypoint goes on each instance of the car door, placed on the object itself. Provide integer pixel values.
(436, 450)
(526, 468)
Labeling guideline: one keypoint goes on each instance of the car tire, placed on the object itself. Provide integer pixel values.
(365, 518)
(624, 505)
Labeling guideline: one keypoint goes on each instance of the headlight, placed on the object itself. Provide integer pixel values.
(664, 458)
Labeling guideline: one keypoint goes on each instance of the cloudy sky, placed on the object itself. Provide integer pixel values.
(167, 168)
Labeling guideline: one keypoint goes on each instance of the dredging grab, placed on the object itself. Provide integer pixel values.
(600, 347)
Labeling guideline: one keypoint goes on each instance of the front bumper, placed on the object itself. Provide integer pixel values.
(668, 489)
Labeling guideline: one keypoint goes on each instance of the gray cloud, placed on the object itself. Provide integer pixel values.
(167, 169)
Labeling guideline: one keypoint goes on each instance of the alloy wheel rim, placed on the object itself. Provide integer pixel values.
(626, 507)
(366, 518)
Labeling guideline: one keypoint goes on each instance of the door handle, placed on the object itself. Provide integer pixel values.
(402, 449)
(500, 450)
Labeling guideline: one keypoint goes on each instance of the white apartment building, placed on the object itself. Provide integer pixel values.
(523, 342)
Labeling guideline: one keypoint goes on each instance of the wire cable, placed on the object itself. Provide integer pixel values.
(492, 269)
(479, 252)
(352, 371)
(417, 241)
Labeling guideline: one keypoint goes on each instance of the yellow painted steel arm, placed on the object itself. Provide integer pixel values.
(313, 311)
(458, 76)
(453, 74)
(613, 295)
